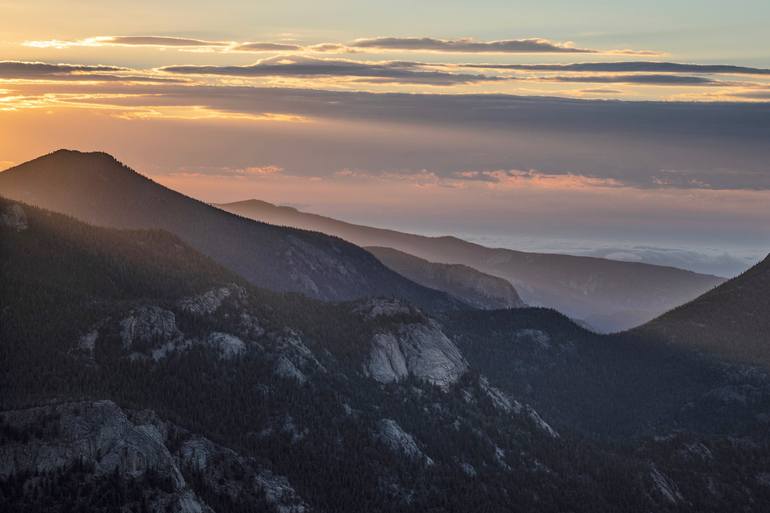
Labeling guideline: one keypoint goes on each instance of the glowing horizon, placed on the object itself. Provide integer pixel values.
(501, 111)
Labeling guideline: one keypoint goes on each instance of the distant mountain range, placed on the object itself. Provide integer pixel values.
(137, 373)
(608, 295)
(96, 188)
(471, 286)
(732, 320)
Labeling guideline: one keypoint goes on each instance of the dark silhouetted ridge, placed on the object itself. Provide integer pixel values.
(732, 320)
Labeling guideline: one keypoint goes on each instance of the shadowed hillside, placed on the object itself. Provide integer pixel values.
(96, 188)
(609, 295)
(733, 320)
(138, 374)
(471, 286)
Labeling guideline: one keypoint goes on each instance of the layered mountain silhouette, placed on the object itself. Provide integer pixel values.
(96, 188)
(609, 295)
(732, 320)
(131, 362)
(471, 286)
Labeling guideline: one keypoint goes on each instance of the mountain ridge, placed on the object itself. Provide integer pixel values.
(371, 405)
(732, 320)
(97, 188)
(607, 294)
(478, 289)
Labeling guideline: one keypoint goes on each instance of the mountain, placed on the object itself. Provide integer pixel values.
(608, 295)
(471, 286)
(732, 320)
(96, 188)
(616, 387)
(138, 374)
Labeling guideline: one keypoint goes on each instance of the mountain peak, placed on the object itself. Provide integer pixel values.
(68, 153)
(65, 159)
(96, 188)
(257, 203)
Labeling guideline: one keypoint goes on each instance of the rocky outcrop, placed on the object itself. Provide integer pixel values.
(249, 326)
(130, 444)
(387, 362)
(99, 434)
(285, 368)
(420, 350)
(14, 218)
(374, 308)
(210, 301)
(228, 346)
(216, 464)
(665, 486)
(477, 289)
(390, 433)
(502, 402)
(500, 399)
(290, 346)
(147, 327)
(540, 423)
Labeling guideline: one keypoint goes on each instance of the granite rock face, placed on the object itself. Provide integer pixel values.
(147, 326)
(132, 443)
(210, 301)
(97, 433)
(477, 289)
(14, 218)
(421, 350)
(215, 465)
(228, 346)
(374, 308)
(390, 433)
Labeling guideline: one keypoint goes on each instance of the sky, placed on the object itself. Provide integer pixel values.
(632, 130)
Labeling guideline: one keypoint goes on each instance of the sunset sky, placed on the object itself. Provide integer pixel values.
(636, 130)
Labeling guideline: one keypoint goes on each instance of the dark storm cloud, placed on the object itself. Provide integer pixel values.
(392, 72)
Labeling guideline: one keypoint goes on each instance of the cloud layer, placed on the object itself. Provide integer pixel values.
(647, 79)
(633, 66)
(648, 145)
(467, 45)
(294, 66)
(376, 44)
(74, 72)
